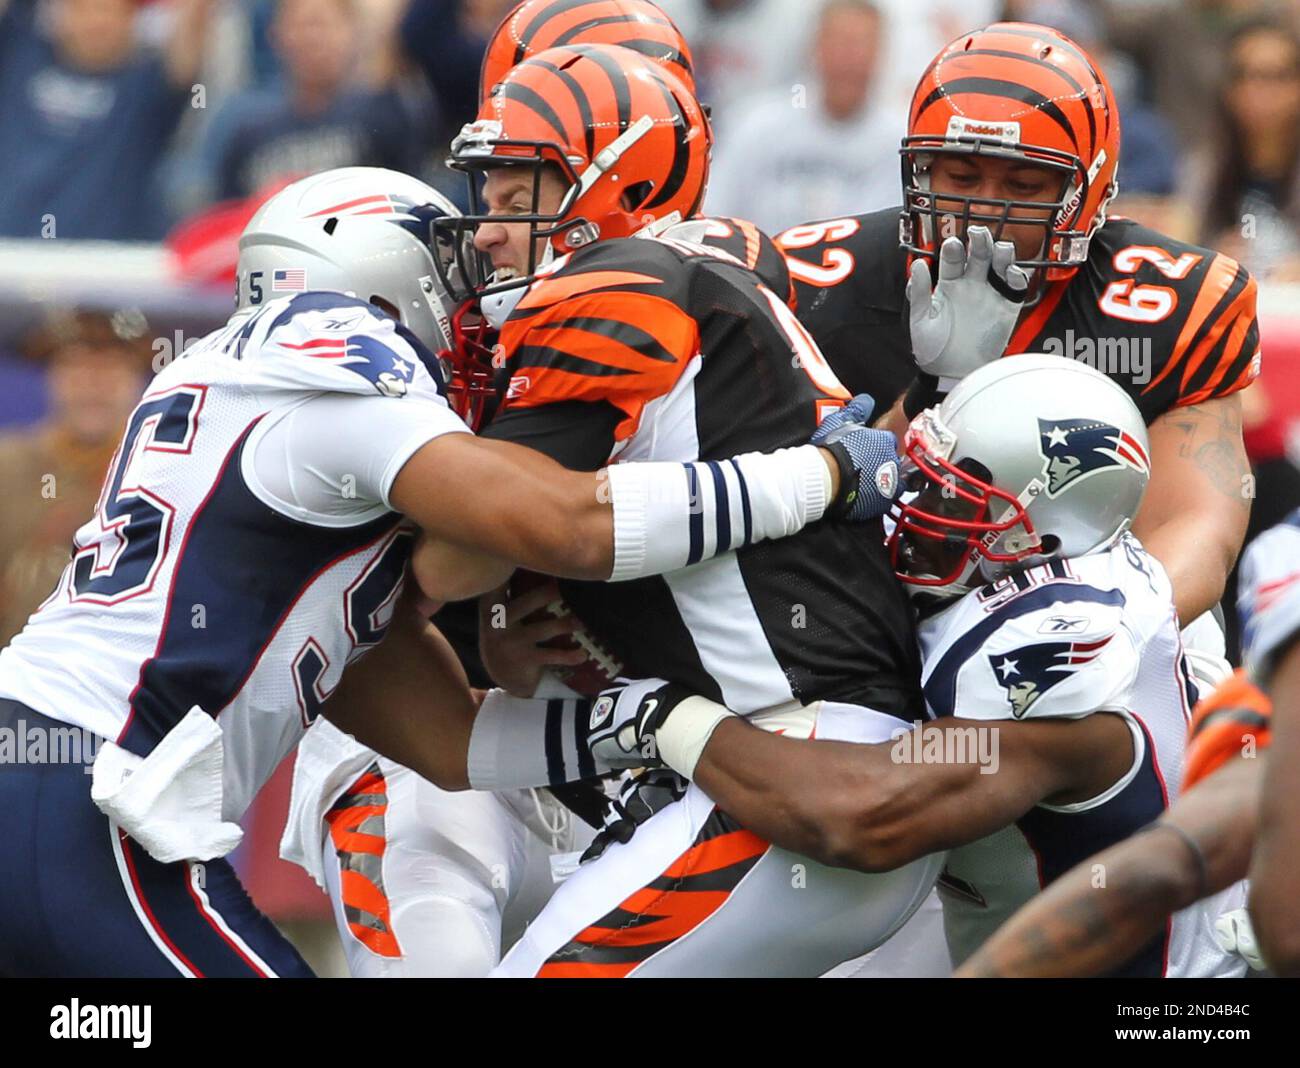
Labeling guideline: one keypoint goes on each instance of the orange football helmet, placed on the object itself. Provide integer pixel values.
(536, 25)
(1021, 91)
(627, 136)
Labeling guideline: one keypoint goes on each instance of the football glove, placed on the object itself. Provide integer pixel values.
(1234, 934)
(624, 718)
(966, 320)
(638, 799)
(868, 461)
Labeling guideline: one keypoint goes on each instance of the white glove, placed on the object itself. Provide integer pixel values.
(967, 320)
(614, 731)
(1234, 934)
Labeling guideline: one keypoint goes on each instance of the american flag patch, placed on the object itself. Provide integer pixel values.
(290, 280)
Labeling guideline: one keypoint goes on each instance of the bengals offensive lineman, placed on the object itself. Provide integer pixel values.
(1015, 128)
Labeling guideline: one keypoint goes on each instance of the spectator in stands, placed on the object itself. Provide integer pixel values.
(85, 116)
(1246, 184)
(1179, 46)
(446, 40)
(743, 48)
(1149, 176)
(813, 152)
(319, 116)
(50, 474)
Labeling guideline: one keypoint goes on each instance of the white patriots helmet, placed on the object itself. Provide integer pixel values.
(1029, 458)
(365, 231)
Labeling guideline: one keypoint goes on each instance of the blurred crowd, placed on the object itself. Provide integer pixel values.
(121, 118)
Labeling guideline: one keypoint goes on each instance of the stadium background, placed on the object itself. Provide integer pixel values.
(136, 135)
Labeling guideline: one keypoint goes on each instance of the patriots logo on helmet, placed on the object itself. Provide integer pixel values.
(1077, 448)
(1030, 671)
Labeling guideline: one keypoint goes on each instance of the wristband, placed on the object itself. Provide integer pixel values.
(684, 734)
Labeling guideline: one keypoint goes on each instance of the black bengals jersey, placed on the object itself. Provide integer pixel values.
(653, 349)
(1171, 323)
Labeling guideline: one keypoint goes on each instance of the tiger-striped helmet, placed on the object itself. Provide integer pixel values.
(536, 25)
(1020, 91)
(628, 138)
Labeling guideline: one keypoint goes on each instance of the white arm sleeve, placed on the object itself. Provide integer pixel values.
(671, 515)
(519, 742)
(331, 461)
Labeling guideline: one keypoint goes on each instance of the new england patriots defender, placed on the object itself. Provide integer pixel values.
(249, 544)
(1232, 805)
(1015, 128)
(1056, 676)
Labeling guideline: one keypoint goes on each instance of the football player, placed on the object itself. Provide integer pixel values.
(438, 878)
(1240, 818)
(624, 347)
(249, 544)
(1015, 128)
(1057, 677)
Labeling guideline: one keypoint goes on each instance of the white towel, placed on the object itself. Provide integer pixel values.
(169, 801)
(328, 761)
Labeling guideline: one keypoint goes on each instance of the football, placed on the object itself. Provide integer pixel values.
(601, 667)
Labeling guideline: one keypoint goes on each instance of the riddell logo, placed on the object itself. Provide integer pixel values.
(1006, 132)
(518, 387)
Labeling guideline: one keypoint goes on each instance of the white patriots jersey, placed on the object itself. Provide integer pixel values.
(190, 587)
(1064, 640)
(1269, 597)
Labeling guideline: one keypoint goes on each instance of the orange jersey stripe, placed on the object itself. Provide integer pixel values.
(715, 853)
(623, 348)
(548, 291)
(1236, 338)
(343, 829)
(1220, 275)
(1031, 326)
(1234, 315)
(361, 894)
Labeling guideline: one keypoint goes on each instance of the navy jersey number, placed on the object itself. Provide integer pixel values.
(368, 609)
(135, 523)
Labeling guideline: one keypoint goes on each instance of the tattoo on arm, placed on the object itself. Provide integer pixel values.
(1212, 441)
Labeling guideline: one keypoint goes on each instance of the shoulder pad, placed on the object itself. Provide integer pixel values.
(334, 343)
(1058, 650)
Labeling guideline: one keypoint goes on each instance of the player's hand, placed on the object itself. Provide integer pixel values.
(1234, 933)
(638, 799)
(868, 461)
(966, 320)
(509, 642)
(623, 721)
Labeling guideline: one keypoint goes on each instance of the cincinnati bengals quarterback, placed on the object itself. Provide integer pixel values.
(620, 346)
(1015, 128)
(641, 26)
(456, 871)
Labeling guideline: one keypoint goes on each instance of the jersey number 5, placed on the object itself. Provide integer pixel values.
(135, 523)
